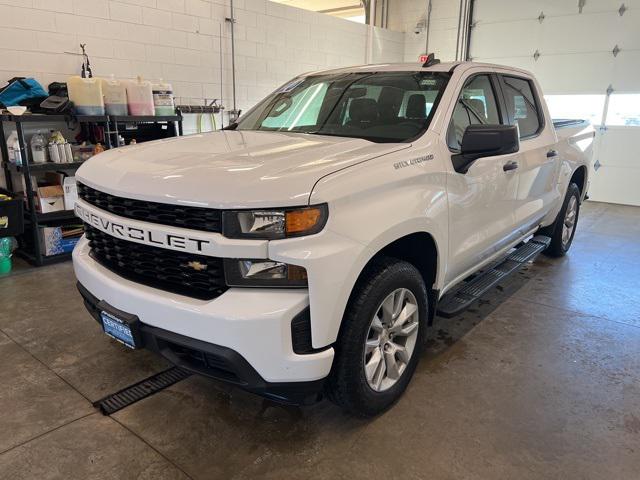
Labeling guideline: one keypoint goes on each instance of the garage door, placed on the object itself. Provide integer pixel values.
(586, 54)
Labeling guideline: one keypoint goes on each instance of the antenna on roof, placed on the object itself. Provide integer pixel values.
(430, 61)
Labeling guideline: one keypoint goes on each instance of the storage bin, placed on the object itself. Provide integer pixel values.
(115, 96)
(86, 95)
(163, 99)
(140, 97)
(11, 216)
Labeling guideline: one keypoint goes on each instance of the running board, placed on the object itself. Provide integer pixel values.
(454, 303)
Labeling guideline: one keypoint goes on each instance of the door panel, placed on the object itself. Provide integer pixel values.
(481, 213)
(482, 200)
(537, 165)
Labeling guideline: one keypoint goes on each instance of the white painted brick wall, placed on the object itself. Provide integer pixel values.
(179, 41)
(405, 14)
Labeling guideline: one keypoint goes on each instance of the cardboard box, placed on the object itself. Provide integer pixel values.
(51, 240)
(54, 241)
(70, 193)
(51, 199)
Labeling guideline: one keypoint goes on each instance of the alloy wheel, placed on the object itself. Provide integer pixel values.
(569, 223)
(391, 339)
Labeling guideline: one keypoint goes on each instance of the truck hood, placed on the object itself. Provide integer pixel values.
(227, 169)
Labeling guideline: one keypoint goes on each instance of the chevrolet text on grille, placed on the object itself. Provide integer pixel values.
(129, 232)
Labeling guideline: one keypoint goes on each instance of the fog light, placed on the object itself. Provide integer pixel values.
(264, 273)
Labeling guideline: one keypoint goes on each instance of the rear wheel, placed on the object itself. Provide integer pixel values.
(563, 229)
(381, 338)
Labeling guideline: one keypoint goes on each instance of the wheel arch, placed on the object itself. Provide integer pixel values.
(579, 177)
(418, 248)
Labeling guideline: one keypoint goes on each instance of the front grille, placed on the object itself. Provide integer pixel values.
(158, 267)
(194, 218)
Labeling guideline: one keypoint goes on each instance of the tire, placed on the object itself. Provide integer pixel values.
(561, 239)
(353, 383)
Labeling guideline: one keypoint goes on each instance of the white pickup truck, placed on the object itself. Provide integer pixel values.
(307, 248)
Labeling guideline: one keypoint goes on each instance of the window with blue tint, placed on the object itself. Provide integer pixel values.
(583, 107)
(376, 106)
(624, 109)
(522, 105)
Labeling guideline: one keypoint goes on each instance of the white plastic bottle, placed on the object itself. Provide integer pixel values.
(163, 99)
(140, 97)
(38, 148)
(13, 146)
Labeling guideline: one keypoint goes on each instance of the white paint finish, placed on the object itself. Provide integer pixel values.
(206, 170)
(371, 204)
(256, 323)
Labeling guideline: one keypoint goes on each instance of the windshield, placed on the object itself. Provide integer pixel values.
(380, 107)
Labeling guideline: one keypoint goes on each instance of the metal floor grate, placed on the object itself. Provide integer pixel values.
(136, 392)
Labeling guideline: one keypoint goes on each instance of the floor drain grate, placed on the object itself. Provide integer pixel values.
(127, 396)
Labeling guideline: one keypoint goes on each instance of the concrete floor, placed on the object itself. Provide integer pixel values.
(541, 380)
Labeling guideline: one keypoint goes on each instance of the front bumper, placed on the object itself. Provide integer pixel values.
(213, 361)
(253, 324)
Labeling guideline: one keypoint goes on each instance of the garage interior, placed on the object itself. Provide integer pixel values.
(539, 379)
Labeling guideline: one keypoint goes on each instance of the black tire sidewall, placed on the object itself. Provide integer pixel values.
(557, 248)
(381, 280)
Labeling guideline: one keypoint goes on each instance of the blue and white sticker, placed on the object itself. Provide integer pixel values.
(290, 86)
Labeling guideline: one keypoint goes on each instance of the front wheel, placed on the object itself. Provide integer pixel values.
(563, 229)
(381, 338)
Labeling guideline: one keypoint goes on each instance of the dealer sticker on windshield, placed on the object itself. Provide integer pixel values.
(290, 86)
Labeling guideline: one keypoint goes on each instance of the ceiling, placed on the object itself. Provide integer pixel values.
(339, 8)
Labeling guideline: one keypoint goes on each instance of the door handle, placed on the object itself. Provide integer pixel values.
(510, 166)
(552, 153)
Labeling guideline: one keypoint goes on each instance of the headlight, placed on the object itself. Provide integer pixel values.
(274, 224)
(263, 273)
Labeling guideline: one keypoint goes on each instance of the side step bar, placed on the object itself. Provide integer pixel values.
(455, 302)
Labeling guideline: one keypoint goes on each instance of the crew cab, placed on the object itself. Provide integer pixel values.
(306, 248)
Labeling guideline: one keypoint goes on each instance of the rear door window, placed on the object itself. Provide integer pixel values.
(522, 105)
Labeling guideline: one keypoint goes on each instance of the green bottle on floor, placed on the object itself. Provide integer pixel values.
(5, 255)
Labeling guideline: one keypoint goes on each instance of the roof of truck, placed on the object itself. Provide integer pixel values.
(412, 67)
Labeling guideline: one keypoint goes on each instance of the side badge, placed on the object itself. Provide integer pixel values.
(413, 161)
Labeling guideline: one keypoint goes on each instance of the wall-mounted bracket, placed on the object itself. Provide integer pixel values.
(610, 90)
(536, 55)
(615, 51)
(622, 9)
(541, 17)
(581, 4)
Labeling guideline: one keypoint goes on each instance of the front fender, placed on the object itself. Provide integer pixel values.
(370, 206)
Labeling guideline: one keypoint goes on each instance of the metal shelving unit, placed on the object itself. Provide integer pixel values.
(34, 220)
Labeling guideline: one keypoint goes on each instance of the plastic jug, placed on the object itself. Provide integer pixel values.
(86, 95)
(115, 96)
(163, 98)
(140, 97)
(13, 147)
(38, 148)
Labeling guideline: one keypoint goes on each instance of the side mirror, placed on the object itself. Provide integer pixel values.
(485, 141)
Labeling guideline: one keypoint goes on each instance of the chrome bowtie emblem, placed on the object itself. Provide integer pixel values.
(197, 266)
